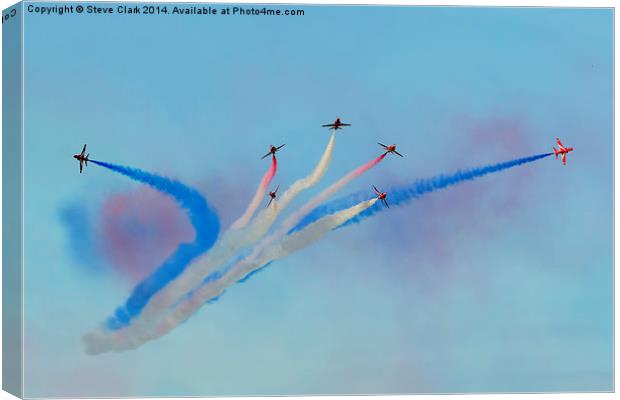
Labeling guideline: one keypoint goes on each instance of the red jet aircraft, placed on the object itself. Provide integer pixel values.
(389, 149)
(563, 151)
(83, 159)
(273, 195)
(381, 196)
(335, 125)
(273, 150)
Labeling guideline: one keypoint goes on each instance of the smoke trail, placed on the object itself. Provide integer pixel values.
(231, 241)
(302, 184)
(221, 280)
(402, 194)
(258, 196)
(204, 220)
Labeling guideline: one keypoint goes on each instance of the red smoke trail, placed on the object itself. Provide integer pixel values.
(264, 183)
(365, 167)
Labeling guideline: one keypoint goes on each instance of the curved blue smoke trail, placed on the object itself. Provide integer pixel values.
(206, 224)
(402, 194)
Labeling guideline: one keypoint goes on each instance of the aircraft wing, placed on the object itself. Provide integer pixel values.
(327, 125)
(83, 149)
(279, 147)
(382, 145)
(265, 155)
(559, 143)
(398, 153)
(80, 166)
(564, 158)
(345, 124)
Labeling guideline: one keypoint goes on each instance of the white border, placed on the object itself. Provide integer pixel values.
(480, 3)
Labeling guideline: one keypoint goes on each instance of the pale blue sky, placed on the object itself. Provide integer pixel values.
(503, 284)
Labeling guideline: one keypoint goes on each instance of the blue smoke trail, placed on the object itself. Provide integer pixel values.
(76, 220)
(205, 221)
(403, 194)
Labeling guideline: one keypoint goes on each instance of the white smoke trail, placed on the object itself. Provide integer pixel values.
(126, 339)
(310, 180)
